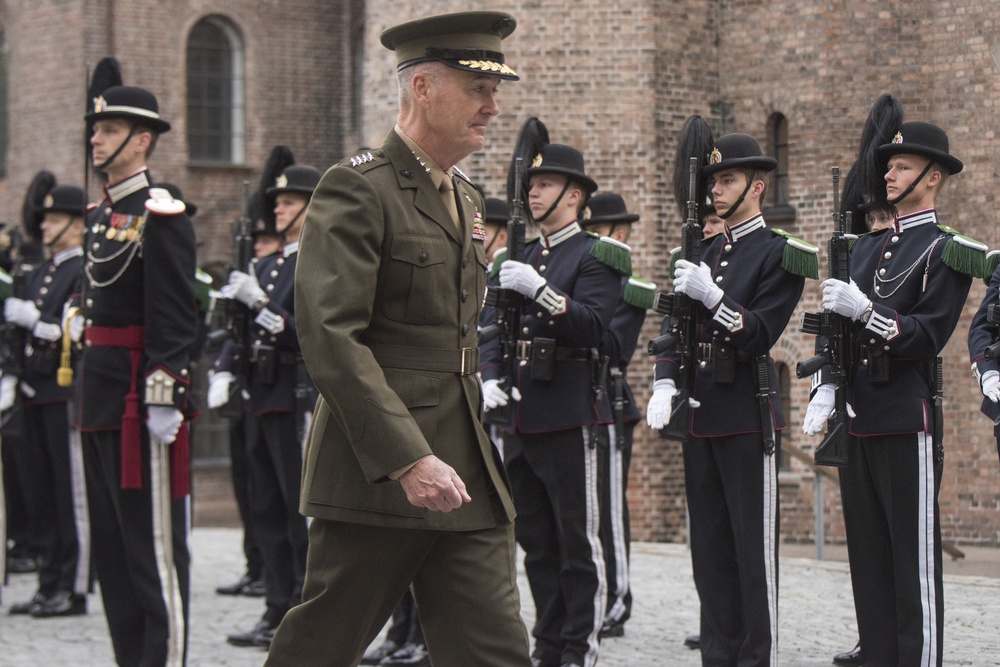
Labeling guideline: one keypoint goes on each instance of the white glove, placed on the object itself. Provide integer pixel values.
(76, 328)
(658, 409)
(991, 385)
(20, 312)
(8, 392)
(844, 298)
(819, 410)
(244, 288)
(163, 422)
(696, 281)
(521, 277)
(494, 396)
(218, 389)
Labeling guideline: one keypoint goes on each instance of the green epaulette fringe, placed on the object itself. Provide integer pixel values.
(202, 287)
(6, 285)
(498, 259)
(639, 293)
(992, 262)
(965, 254)
(613, 253)
(675, 255)
(799, 258)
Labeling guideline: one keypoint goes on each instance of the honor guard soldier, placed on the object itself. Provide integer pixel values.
(495, 224)
(138, 299)
(908, 286)
(984, 333)
(572, 284)
(56, 491)
(607, 216)
(744, 291)
(403, 484)
(280, 396)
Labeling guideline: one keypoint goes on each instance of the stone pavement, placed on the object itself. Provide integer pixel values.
(816, 616)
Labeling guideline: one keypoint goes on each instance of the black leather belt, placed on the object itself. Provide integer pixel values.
(524, 348)
(464, 361)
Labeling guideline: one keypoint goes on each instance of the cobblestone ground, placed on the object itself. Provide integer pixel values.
(816, 616)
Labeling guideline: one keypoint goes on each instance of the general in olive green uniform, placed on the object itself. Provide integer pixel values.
(388, 289)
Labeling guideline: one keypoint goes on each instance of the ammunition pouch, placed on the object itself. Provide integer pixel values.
(879, 368)
(543, 359)
(42, 357)
(264, 360)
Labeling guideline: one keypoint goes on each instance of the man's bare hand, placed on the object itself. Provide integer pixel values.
(435, 485)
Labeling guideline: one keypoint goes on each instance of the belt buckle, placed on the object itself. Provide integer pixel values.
(470, 360)
(523, 350)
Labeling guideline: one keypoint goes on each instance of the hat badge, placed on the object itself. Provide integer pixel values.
(537, 162)
(281, 181)
(48, 202)
(898, 139)
(586, 213)
(100, 104)
(716, 156)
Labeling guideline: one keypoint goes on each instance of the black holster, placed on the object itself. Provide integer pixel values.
(543, 359)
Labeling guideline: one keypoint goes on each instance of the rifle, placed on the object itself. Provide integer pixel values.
(12, 337)
(236, 315)
(680, 313)
(508, 304)
(833, 341)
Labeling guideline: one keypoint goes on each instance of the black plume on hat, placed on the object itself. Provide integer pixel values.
(33, 207)
(496, 211)
(738, 151)
(280, 159)
(608, 207)
(695, 142)
(564, 160)
(530, 139)
(864, 185)
(923, 139)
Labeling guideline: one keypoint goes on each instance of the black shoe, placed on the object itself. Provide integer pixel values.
(255, 589)
(538, 662)
(408, 655)
(250, 637)
(21, 564)
(693, 642)
(383, 650)
(264, 637)
(62, 603)
(612, 628)
(36, 601)
(238, 587)
(850, 658)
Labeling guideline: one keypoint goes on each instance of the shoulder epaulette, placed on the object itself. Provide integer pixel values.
(161, 202)
(851, 240)
(612, 253)
(202, 288)
(799, 258)
(639, 293)
(498, 259)
(965, 254)
(992, 262)
(364, 160)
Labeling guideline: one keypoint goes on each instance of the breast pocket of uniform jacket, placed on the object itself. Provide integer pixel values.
(419, 288)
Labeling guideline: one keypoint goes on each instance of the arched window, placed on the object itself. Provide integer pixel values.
(778, 130)
(4, 117)
(215, 93)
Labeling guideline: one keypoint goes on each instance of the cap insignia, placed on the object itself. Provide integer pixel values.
(898, 139)
(716, 156)
(586, 213)
(537, 162)
(100, 104)
(49, 202)
(281, 181)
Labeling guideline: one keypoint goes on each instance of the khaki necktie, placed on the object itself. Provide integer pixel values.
(447, 191)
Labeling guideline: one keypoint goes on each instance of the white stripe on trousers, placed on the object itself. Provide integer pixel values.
(81, 510)
(593, 509)
(925, 541)
(617, 508)
(770, 542)
(159, 476)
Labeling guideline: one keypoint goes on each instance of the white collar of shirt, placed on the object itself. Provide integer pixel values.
(63, 255)
(915, 220)
(129, 186)
(290, 249)
(554, 239)
(737, 232)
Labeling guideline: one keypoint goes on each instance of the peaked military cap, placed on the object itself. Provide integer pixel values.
(468, 41)
(738, 151)
(65, 199)
(131, 103)
(296, 178)
(562, 159)
(496, 211)
(923, 139)
(607, 207)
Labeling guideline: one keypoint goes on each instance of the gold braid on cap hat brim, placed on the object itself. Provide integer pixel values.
(473, 59)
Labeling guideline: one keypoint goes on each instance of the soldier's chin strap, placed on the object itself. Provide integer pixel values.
(104, 165)
(732, 209)
(62, 231)
(292, 221)
(912, 185)
(556, 202)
